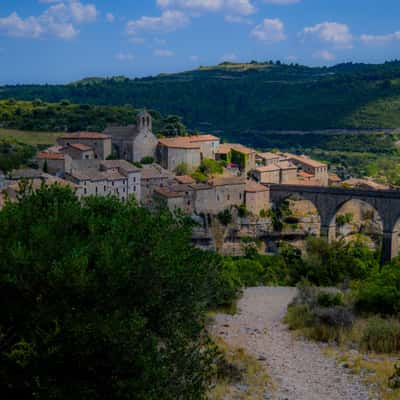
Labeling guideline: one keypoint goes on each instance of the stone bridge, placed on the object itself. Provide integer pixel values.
(328, 201)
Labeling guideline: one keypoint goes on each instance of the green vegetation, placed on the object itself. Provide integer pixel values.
(103, 299)
(182, 169)
(243, 97)
(32, 138)
(211, 167)
(63, 116)
(13, 154)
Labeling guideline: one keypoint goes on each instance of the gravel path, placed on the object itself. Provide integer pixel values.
(299, 369)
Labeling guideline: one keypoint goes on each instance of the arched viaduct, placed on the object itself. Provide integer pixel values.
(328, 201)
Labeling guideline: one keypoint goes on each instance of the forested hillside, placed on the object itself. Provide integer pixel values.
(248, 97)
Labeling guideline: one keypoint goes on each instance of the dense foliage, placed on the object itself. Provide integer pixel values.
(14, 154)
(103, 300)
(256, 96)
(322, 264)
(63, 116)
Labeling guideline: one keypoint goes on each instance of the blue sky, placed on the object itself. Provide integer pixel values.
(64, 40)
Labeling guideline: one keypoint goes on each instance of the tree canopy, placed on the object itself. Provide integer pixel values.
(101, 300)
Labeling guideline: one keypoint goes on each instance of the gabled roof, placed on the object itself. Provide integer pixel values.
(185, 179)
(85, 135)
(178, 143)
(254, 187)
(226, 181)
(227, 147)
(80, 146)
(46, 155)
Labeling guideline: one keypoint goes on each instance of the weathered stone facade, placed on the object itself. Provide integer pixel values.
(98, 142)
(134, 142)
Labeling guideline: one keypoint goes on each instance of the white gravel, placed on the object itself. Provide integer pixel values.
(299, 369)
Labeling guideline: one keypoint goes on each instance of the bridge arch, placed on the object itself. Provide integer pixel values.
(357, 216)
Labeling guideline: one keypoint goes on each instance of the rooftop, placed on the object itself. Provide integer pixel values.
(185, 179)
(268, 156)
(225, 148)
(119, 164)
(85, 135)
(168, 193)
(254, 187)
(80, 147)
(154, 171)
(46, 155)
(226, 181)
(179, 143)
(305, 160)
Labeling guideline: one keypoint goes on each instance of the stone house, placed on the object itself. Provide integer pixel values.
(134, 142)
(98, 142)
(237, 154)
(267, 158)
(176, 197)
(54, 163)
(256, 197)
(113, 177)
(189, 150)
(284, 172)
(221, 194)
(78, 151)
(305, 164)
(153, 177)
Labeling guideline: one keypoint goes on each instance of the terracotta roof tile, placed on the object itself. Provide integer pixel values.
(45, 155)
(85, 135)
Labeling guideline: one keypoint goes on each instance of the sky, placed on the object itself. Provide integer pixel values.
(57, 41)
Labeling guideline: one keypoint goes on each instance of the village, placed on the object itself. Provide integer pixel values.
(131, 161)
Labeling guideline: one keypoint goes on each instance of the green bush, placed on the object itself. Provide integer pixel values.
(299, 316)
(147, 160)
(210, 167)
(380, 293)
(103, 300)
(381, 335)
(182, 169)
(225, 217)
(326, 299)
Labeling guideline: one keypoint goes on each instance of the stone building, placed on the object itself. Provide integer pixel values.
(305, 164)
(153, 177)
(267, 158)
(98, 142)
(256, 197)
(284, 172)
(113, 177)
(242, 156)
(188, 150)
(134, 142)
(54, 163)
(78, 151)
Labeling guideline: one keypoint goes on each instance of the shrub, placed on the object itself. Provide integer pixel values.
(242, 211)
(344, 219)
(182, 169)
(299, 316)
(225, 217)
(209, 167)
(199, 177)
(337, 316)
(147, 160)
(381, 335)
(394, 380)
(381, 292)
(326, 299)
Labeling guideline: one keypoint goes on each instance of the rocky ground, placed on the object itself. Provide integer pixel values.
(299, 369)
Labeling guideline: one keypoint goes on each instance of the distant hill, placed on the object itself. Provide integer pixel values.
(254, 98)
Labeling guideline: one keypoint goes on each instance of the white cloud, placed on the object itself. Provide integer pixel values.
(169, 21)
(231, 7)
(59, 20)
(163, 53)
(324, 55)
(194, 58)
(282, 2)
(124, 56)
(110, 17)
(380, 39)
(270, 31)
(334, 33)
(229, 57)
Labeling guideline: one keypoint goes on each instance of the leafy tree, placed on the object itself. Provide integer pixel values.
(103, 299)
(182, 169)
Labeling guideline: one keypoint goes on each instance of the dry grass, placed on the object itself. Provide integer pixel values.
(31, 138)
(250, 382)
(375, 370)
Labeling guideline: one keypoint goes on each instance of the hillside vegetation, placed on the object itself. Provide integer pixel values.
(245, 97)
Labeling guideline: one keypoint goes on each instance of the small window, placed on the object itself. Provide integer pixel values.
(97, 190)
(105, 188)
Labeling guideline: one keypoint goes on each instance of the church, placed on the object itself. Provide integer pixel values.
(134, 142)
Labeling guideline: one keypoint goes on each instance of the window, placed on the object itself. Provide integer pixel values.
(105, 188)
(113, 183)
(85, 191)
(134, 188)
(97, 190)
(228, 197)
